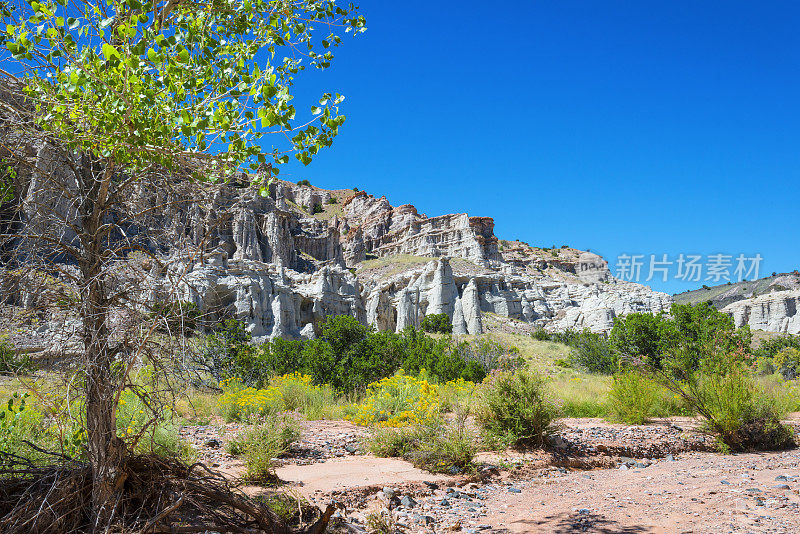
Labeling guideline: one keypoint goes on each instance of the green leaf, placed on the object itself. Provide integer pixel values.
(151, 55)
(109, 51)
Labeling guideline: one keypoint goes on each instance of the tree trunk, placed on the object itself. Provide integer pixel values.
(107, 452)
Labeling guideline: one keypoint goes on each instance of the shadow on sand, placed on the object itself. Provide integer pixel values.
(577, 522)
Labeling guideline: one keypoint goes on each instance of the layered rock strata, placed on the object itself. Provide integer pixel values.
(773, 312)
(284, 261)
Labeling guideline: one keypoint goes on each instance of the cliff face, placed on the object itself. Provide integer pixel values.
(281, 269)
(770, 303)
(281, 263)
(773, 312)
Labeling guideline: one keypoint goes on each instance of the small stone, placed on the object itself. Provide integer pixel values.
(782, 486)
(444, 502)
(389, 492)
(432, 485)
(670, 458)
(514, 490)
(623, 467)
(781, 478)
(725, 482)
(408, 501)
(213, 443)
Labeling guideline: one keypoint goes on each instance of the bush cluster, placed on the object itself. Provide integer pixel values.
(779, 354)
(258, 445)
(434, 446)
(400, 400)
(513, 409)
(347, 356)
(437, 323)
(12, 362)
(680, 341)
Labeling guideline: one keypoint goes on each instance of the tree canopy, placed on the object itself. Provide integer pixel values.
(174, 83)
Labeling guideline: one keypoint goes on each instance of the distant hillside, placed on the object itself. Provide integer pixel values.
(722, 295)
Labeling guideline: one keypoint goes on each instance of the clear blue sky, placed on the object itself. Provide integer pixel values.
(620, 127)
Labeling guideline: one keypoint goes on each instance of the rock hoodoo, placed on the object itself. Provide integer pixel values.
(282, 262)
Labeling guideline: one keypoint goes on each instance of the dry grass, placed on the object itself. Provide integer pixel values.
(197, 406)
(388, 266)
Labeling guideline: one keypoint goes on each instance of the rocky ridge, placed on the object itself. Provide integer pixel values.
(281, 268)
(770, 303)
(282, 262)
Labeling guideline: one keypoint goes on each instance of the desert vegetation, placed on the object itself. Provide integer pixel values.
(432, 399)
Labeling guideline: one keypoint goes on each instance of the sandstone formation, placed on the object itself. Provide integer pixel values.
(772, 312)
(281, 271)
(282, 262)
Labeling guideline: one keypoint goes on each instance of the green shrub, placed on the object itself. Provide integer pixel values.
(742, 415)
(541, 334)
(227, 353)
(644, 336)
(444, 360)
(434, 447)
(317, 209)
(566, 337)
(275, 358)
(438, 322)
(314, 402)
(771, 346)
(632, 398)
(347, 356)
(332, 200)
(513, 410)
(259, 444)
(239, 403)
(156, 428)
(682, 340)
(787, 362)
(722, 390)
(304, 183)
(592, 353)
(12, 362)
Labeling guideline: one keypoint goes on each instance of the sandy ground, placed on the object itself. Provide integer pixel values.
(356, 471)
(666, 492)
(699, 492)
